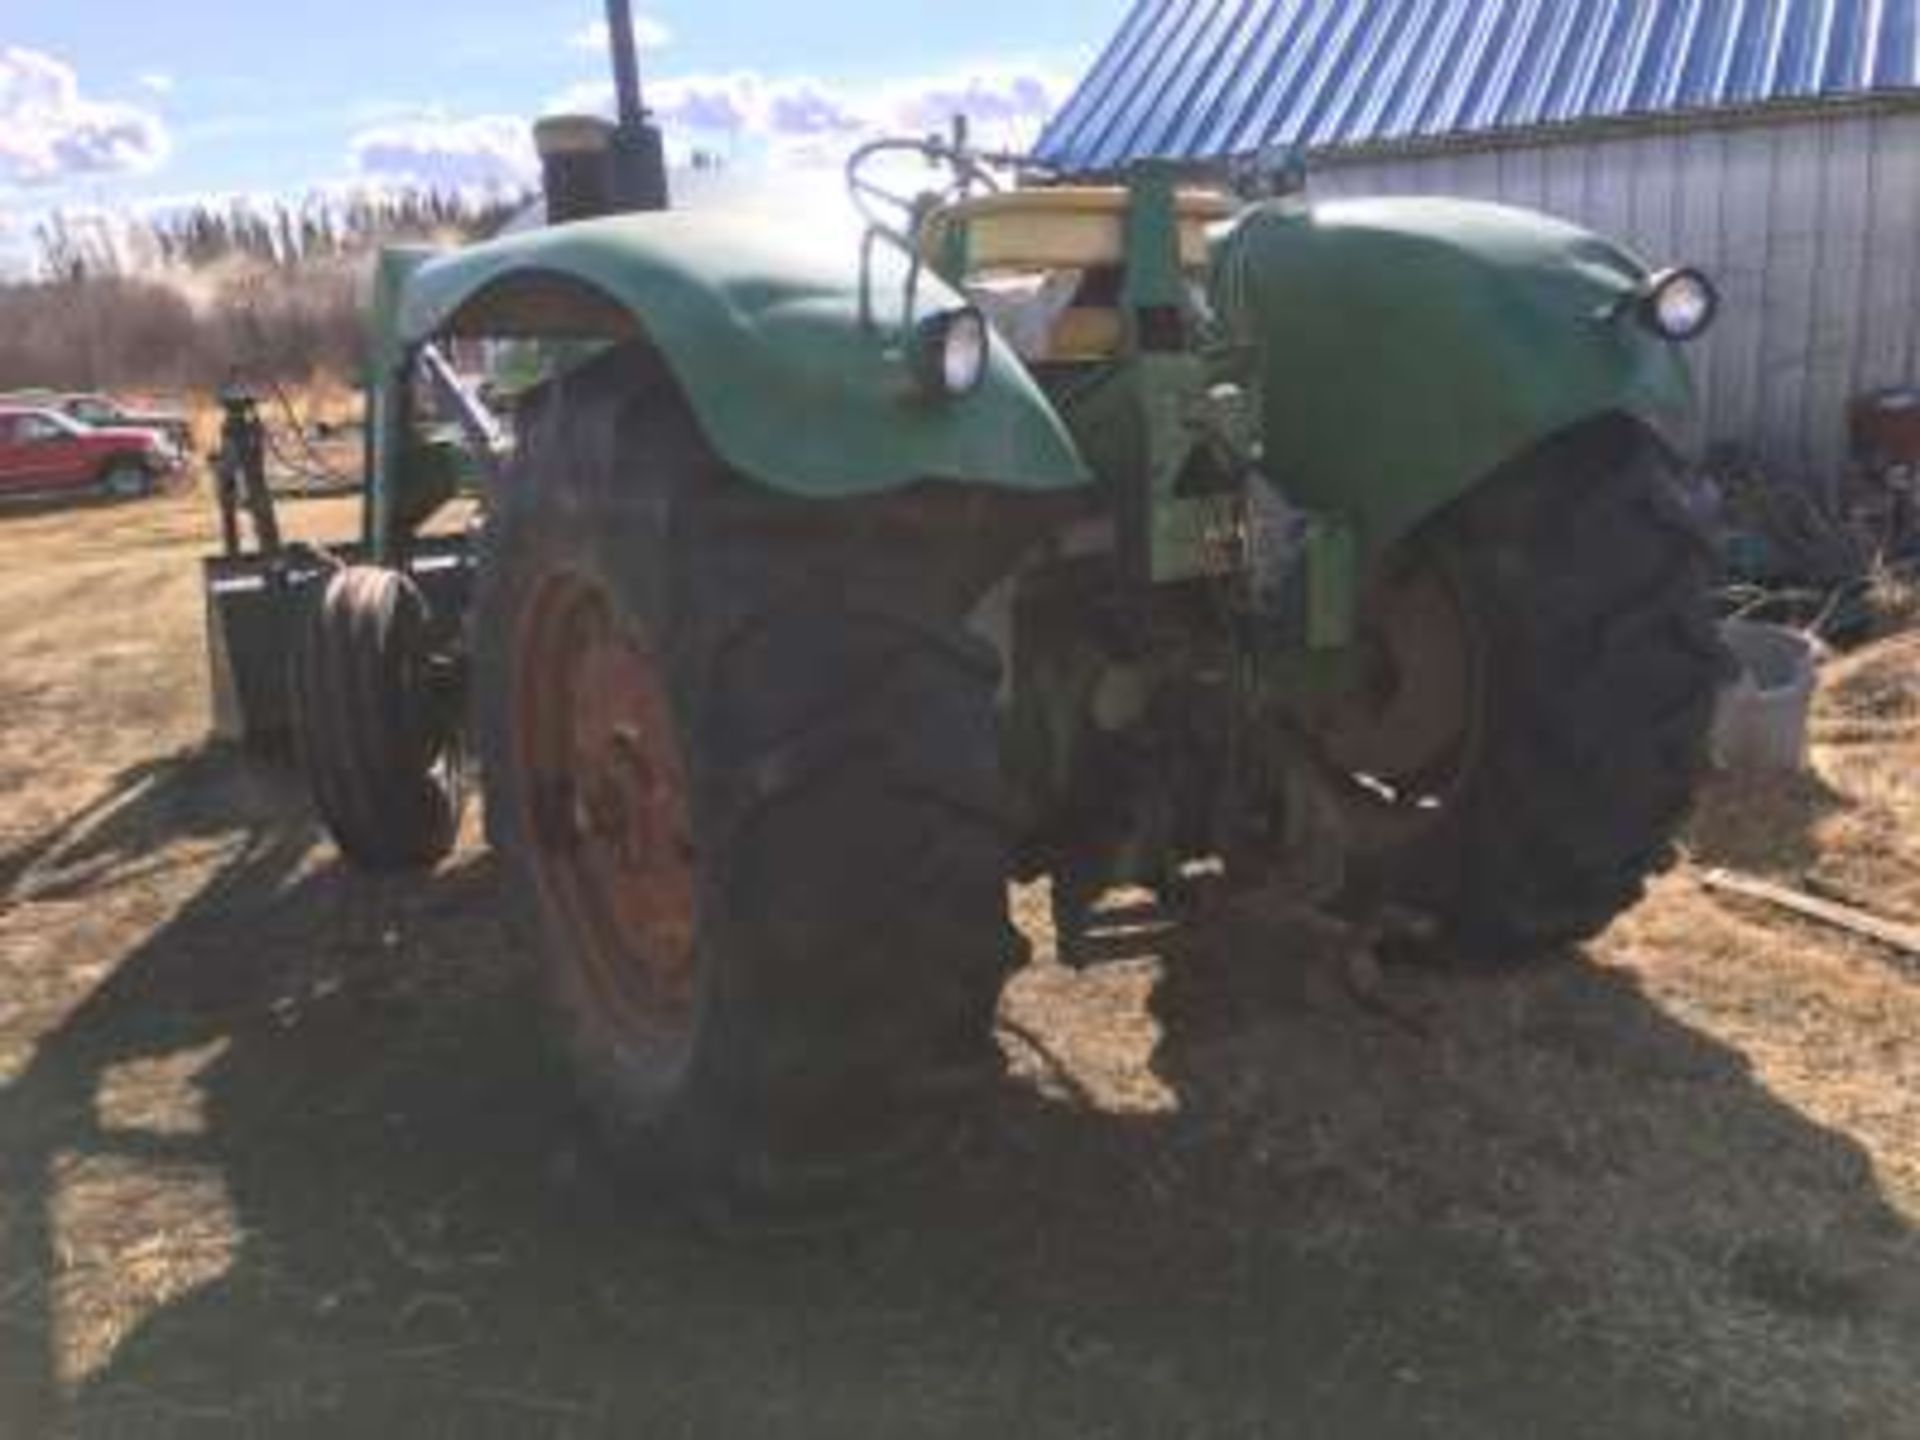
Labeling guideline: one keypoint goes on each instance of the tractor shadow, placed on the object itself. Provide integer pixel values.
(1327, 1218)
(116, 838)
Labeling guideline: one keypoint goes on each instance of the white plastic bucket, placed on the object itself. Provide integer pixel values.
(1760, 719)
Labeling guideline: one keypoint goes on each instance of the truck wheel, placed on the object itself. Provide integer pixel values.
(126, 480)
(1543, 667)
(740, 757)
(375, 722)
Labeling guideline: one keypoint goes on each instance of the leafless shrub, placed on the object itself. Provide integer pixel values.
(180, 303)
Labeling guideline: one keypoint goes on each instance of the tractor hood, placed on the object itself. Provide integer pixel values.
(763, 329)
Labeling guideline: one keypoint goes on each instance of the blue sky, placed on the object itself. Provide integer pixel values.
(118, 103)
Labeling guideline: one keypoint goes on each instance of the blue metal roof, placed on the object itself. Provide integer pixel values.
(1194, 78)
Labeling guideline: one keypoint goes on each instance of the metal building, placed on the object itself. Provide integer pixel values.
(1776, 143)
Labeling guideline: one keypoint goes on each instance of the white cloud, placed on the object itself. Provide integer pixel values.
(50, 132)
(485, 152)
(1010, 100)
(814, 119)
(158, 81)
(648, 34)
(805, 108)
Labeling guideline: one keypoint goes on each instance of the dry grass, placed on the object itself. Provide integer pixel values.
(279, 1151)
(1893, 597)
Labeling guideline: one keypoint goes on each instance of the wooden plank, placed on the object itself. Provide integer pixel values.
(1904, 938)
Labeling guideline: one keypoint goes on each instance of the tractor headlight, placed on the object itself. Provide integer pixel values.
(948, 352)
(1679, 304)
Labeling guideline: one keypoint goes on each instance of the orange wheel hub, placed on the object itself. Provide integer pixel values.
(604, 797)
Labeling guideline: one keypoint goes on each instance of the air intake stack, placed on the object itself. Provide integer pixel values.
(590, 167)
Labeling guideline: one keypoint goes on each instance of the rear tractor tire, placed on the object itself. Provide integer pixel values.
(740, 758)
(1544, 667)
(376, 722)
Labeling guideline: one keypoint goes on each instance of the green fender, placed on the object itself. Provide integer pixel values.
(1406, 348)
(762, 329)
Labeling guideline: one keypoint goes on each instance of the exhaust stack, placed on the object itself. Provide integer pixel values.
(639, 157)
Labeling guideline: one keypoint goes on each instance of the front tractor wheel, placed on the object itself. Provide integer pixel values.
(1541, 667)
(375, 716)
(740, 759)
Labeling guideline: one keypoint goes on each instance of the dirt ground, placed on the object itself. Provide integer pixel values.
(280, 1152)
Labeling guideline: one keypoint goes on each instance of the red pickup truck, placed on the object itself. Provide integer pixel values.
(43, 452)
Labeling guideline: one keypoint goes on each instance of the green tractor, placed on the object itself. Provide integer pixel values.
(1167, 531)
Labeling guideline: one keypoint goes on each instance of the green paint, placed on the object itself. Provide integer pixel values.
(952, 262)
(1333, 583)
(1140, 418)
(1183, 542)
(1394, 353)
(1186, 538)
(388, 421)
(1154, 280)
(761, 326)
(1406, 349)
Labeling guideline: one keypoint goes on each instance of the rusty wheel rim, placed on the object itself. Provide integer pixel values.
(605, 803)
(1408, 736)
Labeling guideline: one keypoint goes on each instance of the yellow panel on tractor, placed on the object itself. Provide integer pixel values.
(1083, 333)
(1078, 226)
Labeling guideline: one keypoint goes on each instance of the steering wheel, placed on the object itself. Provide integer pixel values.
(897, 215)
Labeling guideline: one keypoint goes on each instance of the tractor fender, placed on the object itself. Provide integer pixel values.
(762, 327)
(1406, 349)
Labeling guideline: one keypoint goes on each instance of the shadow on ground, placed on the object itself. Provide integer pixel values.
(421, 1251)
(121, 835)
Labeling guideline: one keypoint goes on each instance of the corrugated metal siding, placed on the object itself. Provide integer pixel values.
(1194, 78)
(1811, 228)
